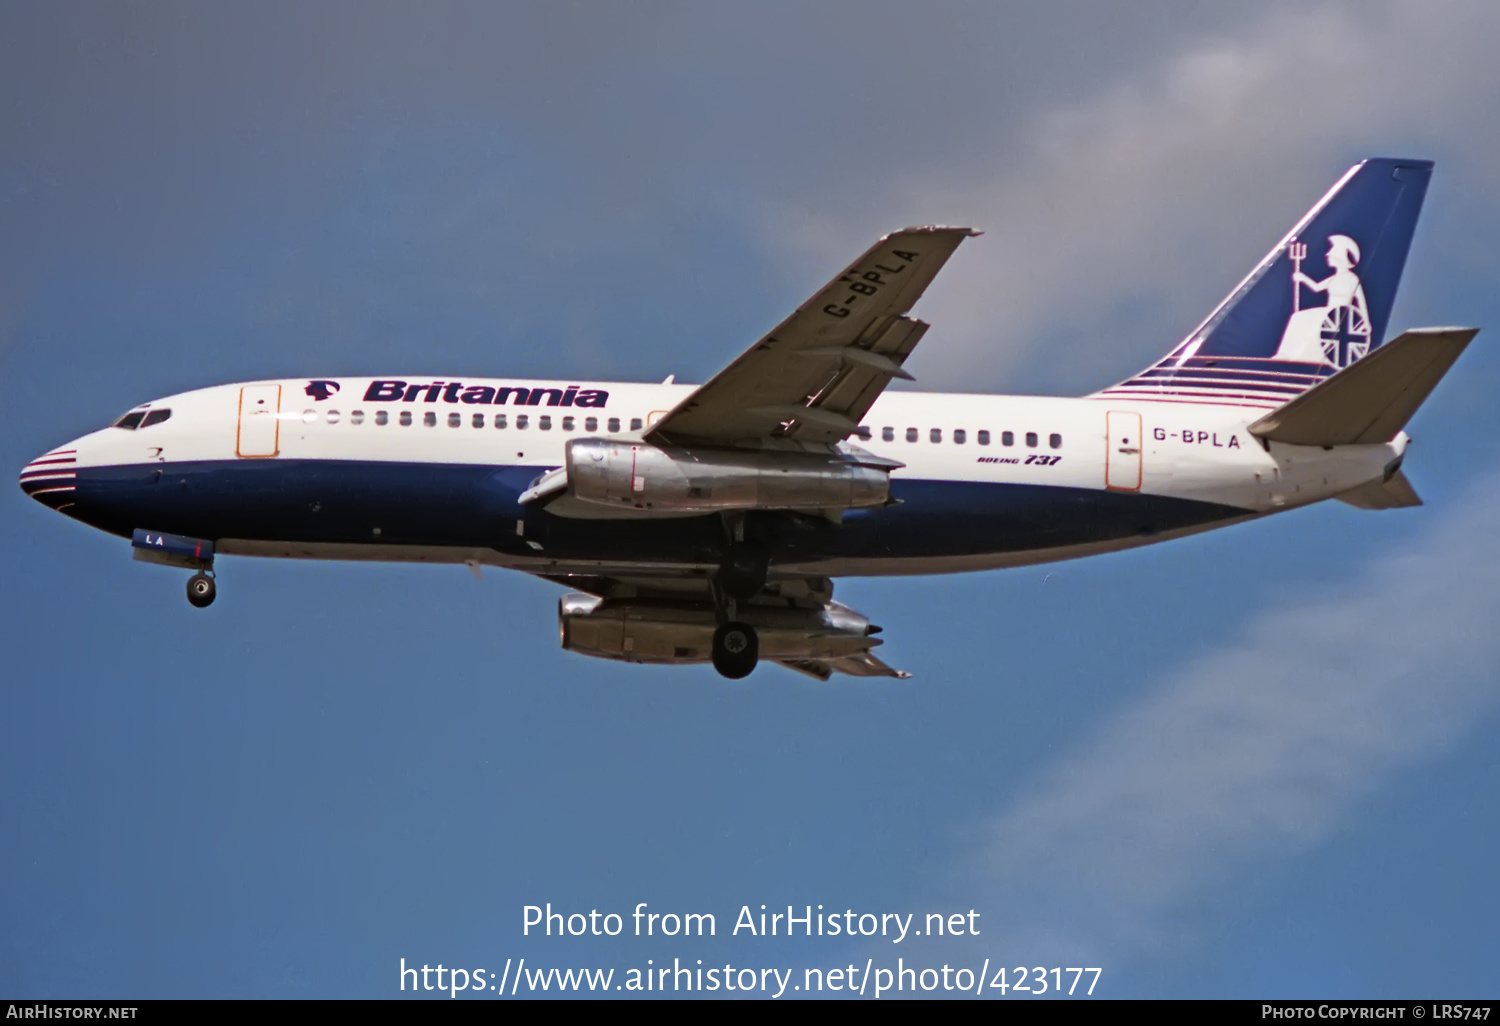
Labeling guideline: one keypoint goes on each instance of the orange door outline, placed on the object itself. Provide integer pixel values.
(257, 402)
(1122, 458)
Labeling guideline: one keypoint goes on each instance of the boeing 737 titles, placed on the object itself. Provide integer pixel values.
(707, 523)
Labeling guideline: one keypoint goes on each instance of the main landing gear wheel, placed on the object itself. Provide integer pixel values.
(201, 590)
(736, 650)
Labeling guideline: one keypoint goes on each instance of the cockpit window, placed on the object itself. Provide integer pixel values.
(131, 420)
(155, 417)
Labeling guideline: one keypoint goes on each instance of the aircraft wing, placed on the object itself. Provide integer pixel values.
(862, 664)
(817, 373)
(1393, 493)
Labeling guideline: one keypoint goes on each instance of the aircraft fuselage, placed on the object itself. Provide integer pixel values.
(431, 473)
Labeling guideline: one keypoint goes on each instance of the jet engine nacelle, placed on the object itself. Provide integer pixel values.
(644, 631)
(640, 476)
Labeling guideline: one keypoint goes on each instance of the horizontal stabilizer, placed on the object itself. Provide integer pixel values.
(1369, 401)
(1395, 493)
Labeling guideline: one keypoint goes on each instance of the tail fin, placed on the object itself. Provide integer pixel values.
(1316, 303)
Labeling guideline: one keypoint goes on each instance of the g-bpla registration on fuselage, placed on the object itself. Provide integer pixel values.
(705, 524)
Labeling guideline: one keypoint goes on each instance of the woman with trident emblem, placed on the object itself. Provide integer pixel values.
(1338, 333)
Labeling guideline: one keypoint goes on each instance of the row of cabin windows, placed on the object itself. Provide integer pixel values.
(613, 426)
(522, 421)
(960, 436)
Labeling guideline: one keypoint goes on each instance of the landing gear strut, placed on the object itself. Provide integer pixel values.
(201, 590)
(739, 579)
(742, 575)
(736, 650)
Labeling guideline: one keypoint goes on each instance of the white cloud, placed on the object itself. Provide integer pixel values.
(1161, 192)
(1262, 748)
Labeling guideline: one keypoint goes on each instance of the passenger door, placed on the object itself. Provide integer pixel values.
(1122, 468)
(259, 431)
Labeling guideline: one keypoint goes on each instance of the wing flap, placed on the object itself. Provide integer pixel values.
(1369, 401)
(855, 391)
(815, 375)
(861, 664)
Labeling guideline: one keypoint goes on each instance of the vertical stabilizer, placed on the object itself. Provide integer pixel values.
(1318, 302)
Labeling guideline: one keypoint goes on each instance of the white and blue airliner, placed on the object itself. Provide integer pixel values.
(698, 524)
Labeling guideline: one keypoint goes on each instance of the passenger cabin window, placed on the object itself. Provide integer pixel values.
(935, 435)
(332, 416)
(455, 419)
(863, 433)
(591, 424)
(544, 422)
(429, 418)
(1007, 438)
(500, 420)
(1031, 439)
(888, 434)
(635, 423)
(521, 421)
(984, 438)
(1055, 441)
(155, 417)
(911, 434)
(614, 424)
(960, 436)
(406, 418)
(356, 416)
(567, 423)
(382, 418)
(478, 420)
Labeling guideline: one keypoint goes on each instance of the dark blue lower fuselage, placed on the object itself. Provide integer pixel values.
(469, 505)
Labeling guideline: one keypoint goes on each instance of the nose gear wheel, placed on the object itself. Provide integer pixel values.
(201, 590)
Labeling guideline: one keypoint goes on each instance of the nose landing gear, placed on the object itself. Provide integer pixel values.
(182, 552)
(201, 590)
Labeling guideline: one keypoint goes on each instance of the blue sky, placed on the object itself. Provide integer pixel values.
(1259, 762)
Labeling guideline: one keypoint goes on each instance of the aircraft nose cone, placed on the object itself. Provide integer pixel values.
(51, 479)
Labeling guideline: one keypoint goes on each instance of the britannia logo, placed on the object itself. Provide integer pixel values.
(321, 390)
(1338, 332)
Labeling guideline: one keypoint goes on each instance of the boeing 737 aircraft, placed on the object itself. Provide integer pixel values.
(707, 523)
